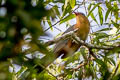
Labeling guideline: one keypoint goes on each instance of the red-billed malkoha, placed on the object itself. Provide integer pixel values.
(68, 47)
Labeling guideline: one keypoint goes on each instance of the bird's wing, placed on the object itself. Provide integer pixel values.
(59, 45)
(62, 43)
(69, 29)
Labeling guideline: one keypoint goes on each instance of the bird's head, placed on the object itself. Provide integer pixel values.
(79, 13)
(80, 17)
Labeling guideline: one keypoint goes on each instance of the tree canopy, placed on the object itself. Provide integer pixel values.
(25, 56)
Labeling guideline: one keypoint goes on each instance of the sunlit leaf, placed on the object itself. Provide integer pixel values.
(56, 10)
(116, 10)
(50, 24)
(107, 14)
(72, 3)
(93, 9)
(93, 17)
(65, 11)
(101, 63)
(67, 18)
(89, 7)
(101, 35)
(45, 76)
(111, 60)
(100, 15)
(66, 3)
(117, 37)
(82, 50)
(104, 29)
(115, 24)
(115, 5)
(21, 71)
(73, 58)
(108, 5)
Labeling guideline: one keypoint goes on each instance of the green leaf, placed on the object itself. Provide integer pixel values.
(82, 50)
(101, 35)
(115, 7)
(101, 63)
(93, 9)
(108, 4)
(66, 3)
(115, 24)
(71, 16)
(107, 13)
(50, 24)
(104, 29)
(111, 60)
(100, 15)
(72, 3)
(93, 17)
(117, 37)
(21, 70)
(65, 8)
(56, 10)
(72, 58)
(65, 11)
(89, 7)
(45, 76)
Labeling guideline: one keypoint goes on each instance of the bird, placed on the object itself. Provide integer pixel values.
(68, 47)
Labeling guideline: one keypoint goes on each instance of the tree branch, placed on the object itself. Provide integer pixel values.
(71, 33)
(93, 46)
(83, 63)
(64, 36)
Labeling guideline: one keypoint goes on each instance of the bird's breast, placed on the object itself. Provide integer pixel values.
(83, 30)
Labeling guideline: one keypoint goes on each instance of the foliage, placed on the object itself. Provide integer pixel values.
(23, 56)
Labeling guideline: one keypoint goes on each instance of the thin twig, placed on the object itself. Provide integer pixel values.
(52, 25)
(83, 63)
